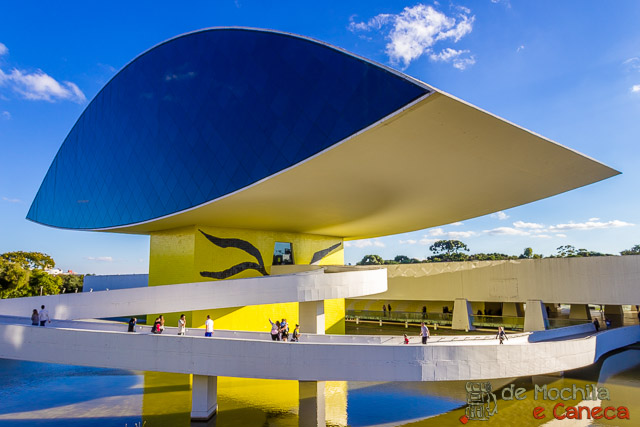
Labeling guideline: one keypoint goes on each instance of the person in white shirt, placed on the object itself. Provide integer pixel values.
(208, 327)
(182, 325)
(44, 316)
(424, 333)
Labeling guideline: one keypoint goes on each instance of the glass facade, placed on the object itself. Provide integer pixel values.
(204, 115)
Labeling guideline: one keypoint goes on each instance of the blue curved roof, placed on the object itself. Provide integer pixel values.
(206, 114)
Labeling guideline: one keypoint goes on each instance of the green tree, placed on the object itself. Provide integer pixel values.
(448, 247)
(528, 253)
(71, 282)
(566, 251)
(490, 257)
(30, 260)
(12, 278)
(51, 285)
(371, 260)
(633, 251)
(403, 259)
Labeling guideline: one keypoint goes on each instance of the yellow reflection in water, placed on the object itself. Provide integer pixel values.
(241, 401)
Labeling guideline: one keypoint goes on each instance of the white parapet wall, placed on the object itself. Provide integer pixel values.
(317, 359)
(301, 287)
(550, 334)
(582, 280)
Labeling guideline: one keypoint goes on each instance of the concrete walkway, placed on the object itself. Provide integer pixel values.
(316, 358)
(253, 354)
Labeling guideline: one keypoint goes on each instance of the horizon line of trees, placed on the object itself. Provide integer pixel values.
(454, 251)
(22, 274)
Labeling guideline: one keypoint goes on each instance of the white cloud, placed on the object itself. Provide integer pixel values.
(3, 49)
(507, 231)
(452, 55)
(427, 241)
(100, 258)
(530, 225)
(519, 229)
(521, 47)
(436, 232)
(456, 224)
(632, 63)
(10, 200)
(500, 215)
(415, 31)
(408, 242)
(447, 54)
(589, 225)
(375, 23)
(364, 244)
(463, 63)
(40, 86)
(536, 230)
(461, 234)
(5, 115)
(107, 67)
(440, 233)
(635, 88)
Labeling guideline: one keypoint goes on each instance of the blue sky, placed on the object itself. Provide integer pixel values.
(567, 70)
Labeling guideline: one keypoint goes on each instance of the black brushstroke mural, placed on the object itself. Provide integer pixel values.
(323, 253)
(236, 269)
(243, 245)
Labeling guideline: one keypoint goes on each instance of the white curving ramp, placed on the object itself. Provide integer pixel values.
(315, 285)
(252, 354)
(316, 358)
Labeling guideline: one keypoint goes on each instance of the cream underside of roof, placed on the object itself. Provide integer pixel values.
(438, 162)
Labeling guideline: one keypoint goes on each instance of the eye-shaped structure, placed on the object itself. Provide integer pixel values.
(237, 127)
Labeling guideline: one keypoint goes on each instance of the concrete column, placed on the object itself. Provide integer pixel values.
(535, 316)
(311, 409)
(204, 397)
(614, 313)
(580, 311)
(511, 309)
(462, 315)
(311, 316)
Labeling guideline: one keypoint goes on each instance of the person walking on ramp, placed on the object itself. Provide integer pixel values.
(44, 316)
(424, 333)
(502, 335)
(182, 325)
(208, 327)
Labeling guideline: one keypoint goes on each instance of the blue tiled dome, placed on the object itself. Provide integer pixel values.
(204, 115)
